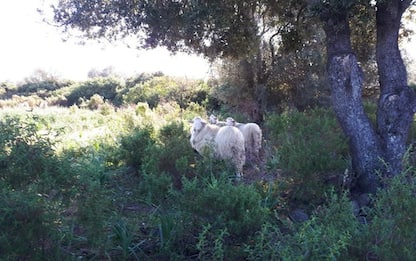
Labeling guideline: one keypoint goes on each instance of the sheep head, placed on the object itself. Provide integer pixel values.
(212, 119)
(230, 121)
(197, 125)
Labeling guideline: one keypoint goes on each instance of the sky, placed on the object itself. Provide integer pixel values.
(28, 44)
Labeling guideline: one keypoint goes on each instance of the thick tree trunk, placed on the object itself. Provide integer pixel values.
(346, 80)
(396, 102)
(371, 151)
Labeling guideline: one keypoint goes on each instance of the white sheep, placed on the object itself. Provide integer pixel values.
(203, 136)
(225, 142)
(213, 120)
(252, 136)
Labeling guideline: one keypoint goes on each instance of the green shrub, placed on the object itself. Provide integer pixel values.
(330, 234)
(33, 86)
(166, 113)
(211, 244)
(106, 108)
(309, 147)
(172, 155)
(142, 109)
(210, 218)
(176, 234)
(95, 102)
(27, 158)
(208, 166)
(135, 146)
(92, 203)
(156, 89)
(93, 212)
(150, 91)
(223, 205)
(392, 220)
(192, 110)
(269, 243)
(155, 187)
(126, 241)
(105, 87)
(27, 229)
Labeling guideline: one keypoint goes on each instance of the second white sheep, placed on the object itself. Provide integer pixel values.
(252, 136)
(226, 142)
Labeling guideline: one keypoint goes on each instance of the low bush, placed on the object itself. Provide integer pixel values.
(392, 220)
(328, 235)
(27, 228)
(268, 243)
(106, 87)
(157, 89)
(154, 187)
(172, 154)
(232, 210)
(135, 145)
(310, 148)
(36, 187)
(41, 86)
(27, 158)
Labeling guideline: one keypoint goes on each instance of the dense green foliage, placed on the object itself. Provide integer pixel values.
(75, 187)
(105, 87)
(310, 149)
(162, 88)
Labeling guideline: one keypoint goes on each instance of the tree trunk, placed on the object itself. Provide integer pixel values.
(346, 80)
(372, 151)
(397, 101)
(261, 77)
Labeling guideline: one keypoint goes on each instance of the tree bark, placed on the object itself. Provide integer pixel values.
(397, 101)
(346, 80)
(261, 76)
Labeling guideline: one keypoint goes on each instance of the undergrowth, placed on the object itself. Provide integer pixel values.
(310, 150)
(125, 185)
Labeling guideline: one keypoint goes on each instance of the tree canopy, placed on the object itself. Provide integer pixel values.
(214, 28)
